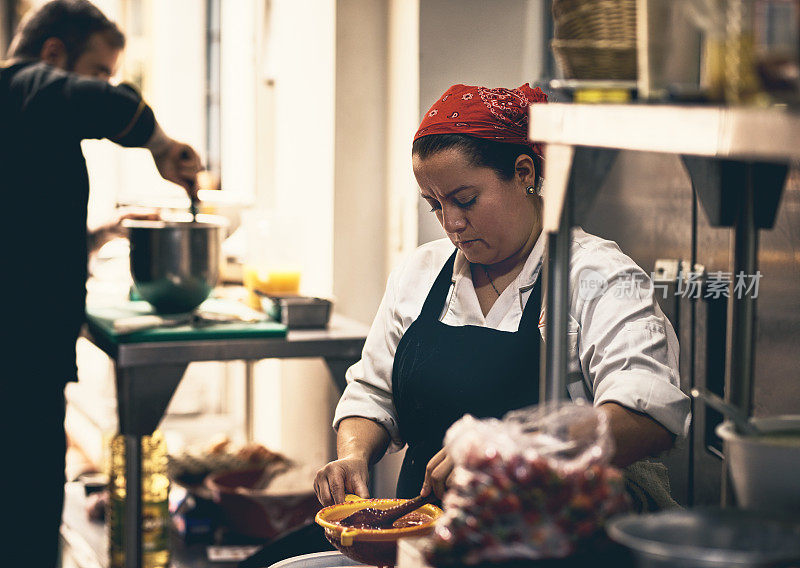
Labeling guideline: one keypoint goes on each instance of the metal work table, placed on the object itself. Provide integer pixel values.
(147, 375)
(731, 154)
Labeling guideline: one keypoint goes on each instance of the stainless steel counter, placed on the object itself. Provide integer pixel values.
(147, 375)
(343, 339)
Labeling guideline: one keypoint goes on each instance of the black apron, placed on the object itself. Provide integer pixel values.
(442, 372)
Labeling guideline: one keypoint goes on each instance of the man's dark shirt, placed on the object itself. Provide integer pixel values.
(44, 115)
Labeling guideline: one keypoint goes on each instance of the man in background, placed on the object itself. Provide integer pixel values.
(54, 92)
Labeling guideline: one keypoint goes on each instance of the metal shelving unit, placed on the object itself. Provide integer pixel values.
(738, 161)
(716, 132)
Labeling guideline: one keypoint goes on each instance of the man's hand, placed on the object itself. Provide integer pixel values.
(179, 163)
(438, 474)
(346, 475)
(176, 162)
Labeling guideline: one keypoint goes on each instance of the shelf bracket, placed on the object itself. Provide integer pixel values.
(721, 186)
(590, 168)
(579, 170)
(143, 394)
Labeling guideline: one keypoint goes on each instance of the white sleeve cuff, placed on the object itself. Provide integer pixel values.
(664, 402)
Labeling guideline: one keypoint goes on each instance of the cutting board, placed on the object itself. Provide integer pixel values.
(101, 321)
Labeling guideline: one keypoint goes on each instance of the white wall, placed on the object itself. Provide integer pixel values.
(295, 398)
(360, 204)
(238, 97)
(304, 67)
(403, 94)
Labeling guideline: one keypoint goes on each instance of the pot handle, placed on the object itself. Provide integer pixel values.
(346, 538)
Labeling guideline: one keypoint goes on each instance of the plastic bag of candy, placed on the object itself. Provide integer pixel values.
(536, 484)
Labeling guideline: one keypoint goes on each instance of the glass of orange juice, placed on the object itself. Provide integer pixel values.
(272, 265)
(273, 281)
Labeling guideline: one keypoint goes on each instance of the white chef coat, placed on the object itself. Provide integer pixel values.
(621, 346)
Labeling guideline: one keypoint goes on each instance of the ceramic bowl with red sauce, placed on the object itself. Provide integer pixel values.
(377, 547)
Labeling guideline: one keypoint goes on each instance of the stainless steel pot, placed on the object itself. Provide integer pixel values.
(175, 263)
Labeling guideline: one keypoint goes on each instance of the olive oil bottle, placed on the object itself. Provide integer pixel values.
(155, 505)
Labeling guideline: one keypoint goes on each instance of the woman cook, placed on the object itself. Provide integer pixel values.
(459, 327)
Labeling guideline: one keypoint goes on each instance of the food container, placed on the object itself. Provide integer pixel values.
(298, 312)
(175, 262)
(377, 547)
(708, 538)
(765, 470)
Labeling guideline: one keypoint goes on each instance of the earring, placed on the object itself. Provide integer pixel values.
(536, 189)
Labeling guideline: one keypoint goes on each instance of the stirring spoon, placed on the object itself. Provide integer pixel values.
(195, 202)
(370, 517)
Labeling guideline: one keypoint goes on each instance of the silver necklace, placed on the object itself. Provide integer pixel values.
(489, 276)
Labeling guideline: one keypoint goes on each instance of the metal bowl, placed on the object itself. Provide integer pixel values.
(708, 538)
(175, 263)
(377, 547)
(316, 560)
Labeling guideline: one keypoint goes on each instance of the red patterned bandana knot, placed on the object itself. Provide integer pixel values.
(492, 114)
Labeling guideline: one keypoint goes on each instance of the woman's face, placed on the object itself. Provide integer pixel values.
(488, 218)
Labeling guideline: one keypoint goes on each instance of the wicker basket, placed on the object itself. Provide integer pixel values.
(598, 60)
(595, 39)
(611, 20)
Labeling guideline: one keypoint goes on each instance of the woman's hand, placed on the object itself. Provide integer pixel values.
(360, 442)
(340, 477)
(438, 474)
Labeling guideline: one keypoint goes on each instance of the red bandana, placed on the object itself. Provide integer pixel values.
(492, 114)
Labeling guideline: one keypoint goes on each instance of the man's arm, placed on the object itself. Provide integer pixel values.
(69, 105)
